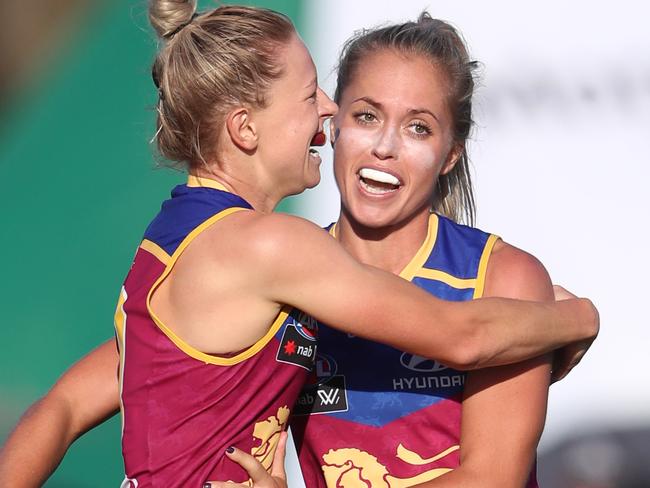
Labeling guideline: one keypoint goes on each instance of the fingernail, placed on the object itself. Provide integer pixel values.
(230, 450)
(207, 485)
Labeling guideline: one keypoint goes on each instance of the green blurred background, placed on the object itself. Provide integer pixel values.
(80, 183)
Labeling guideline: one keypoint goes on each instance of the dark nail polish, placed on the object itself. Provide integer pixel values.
(230, 450)
(207, 485)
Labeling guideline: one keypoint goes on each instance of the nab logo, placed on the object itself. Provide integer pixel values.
(298, 343)
(420, 364)
(306, 326)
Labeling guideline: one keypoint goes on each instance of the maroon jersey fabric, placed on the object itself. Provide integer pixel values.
(182, 408)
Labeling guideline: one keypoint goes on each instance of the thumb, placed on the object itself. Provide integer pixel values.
(277, 468)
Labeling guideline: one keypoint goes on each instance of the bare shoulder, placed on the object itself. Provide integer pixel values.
(262, 242)
(278, 229)
(274, 236)
(515, 273)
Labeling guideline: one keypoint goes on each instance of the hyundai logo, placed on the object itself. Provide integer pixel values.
(418, 363)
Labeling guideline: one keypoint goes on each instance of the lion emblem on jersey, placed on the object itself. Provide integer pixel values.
(268, 432)
(353, 468)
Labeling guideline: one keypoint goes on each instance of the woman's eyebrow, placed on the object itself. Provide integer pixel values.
(416, 111)
(370, 101)
(312, 84)
(412, 111)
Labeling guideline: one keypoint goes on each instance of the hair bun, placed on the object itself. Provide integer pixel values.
(168, 16)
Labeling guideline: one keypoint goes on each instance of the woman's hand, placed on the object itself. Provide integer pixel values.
(568, 357)
(260, 478)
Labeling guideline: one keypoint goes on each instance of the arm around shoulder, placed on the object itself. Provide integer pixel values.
(535, 328)
(299, 264)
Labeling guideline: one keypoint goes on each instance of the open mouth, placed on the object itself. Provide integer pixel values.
(319, 139)
(378, 182)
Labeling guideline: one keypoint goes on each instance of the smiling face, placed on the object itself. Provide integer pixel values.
(393, 139)
(292, 122)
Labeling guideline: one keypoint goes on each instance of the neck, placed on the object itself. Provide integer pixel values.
(255, 195)
(389, 248)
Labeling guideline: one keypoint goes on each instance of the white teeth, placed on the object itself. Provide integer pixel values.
(379, 176)
(314, 156)
(374, 189)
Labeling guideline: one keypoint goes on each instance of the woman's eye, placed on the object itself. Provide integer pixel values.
(421, 129)
(365, 117)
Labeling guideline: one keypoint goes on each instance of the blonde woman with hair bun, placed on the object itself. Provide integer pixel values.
(216, 324)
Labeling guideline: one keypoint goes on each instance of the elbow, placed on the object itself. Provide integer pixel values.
(465, 358)
(466, 354)
(466, 348)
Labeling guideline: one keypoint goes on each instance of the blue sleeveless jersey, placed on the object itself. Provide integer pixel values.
(372, 415)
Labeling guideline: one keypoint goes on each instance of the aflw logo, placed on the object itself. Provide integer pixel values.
(330, 397)
(326, 397)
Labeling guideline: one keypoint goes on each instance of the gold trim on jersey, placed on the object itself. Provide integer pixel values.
(483, 264)
(180, 343)
(120, 316)
(451, 280)
(194, 181)
(120, 332)
(153, 248)
(414, 267)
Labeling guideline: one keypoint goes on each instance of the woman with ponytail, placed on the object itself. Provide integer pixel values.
(379, 416)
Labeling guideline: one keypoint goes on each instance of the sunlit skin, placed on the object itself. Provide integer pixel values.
(295, 108)
(402, 128)
(279, 163)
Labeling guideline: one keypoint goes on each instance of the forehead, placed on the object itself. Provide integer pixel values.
(402, 78)
(298, 64)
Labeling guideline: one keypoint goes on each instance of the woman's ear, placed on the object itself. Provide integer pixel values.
(453, 157)
(334, 132)
(242, 129)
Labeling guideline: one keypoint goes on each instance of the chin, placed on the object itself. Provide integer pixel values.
(312, 183)
(371, 218)
(312, 180)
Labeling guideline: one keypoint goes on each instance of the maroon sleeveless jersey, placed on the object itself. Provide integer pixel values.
(181, 408)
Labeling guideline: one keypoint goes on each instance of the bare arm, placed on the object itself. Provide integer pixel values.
(379, 306)
(86, 395)
(504, 408)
